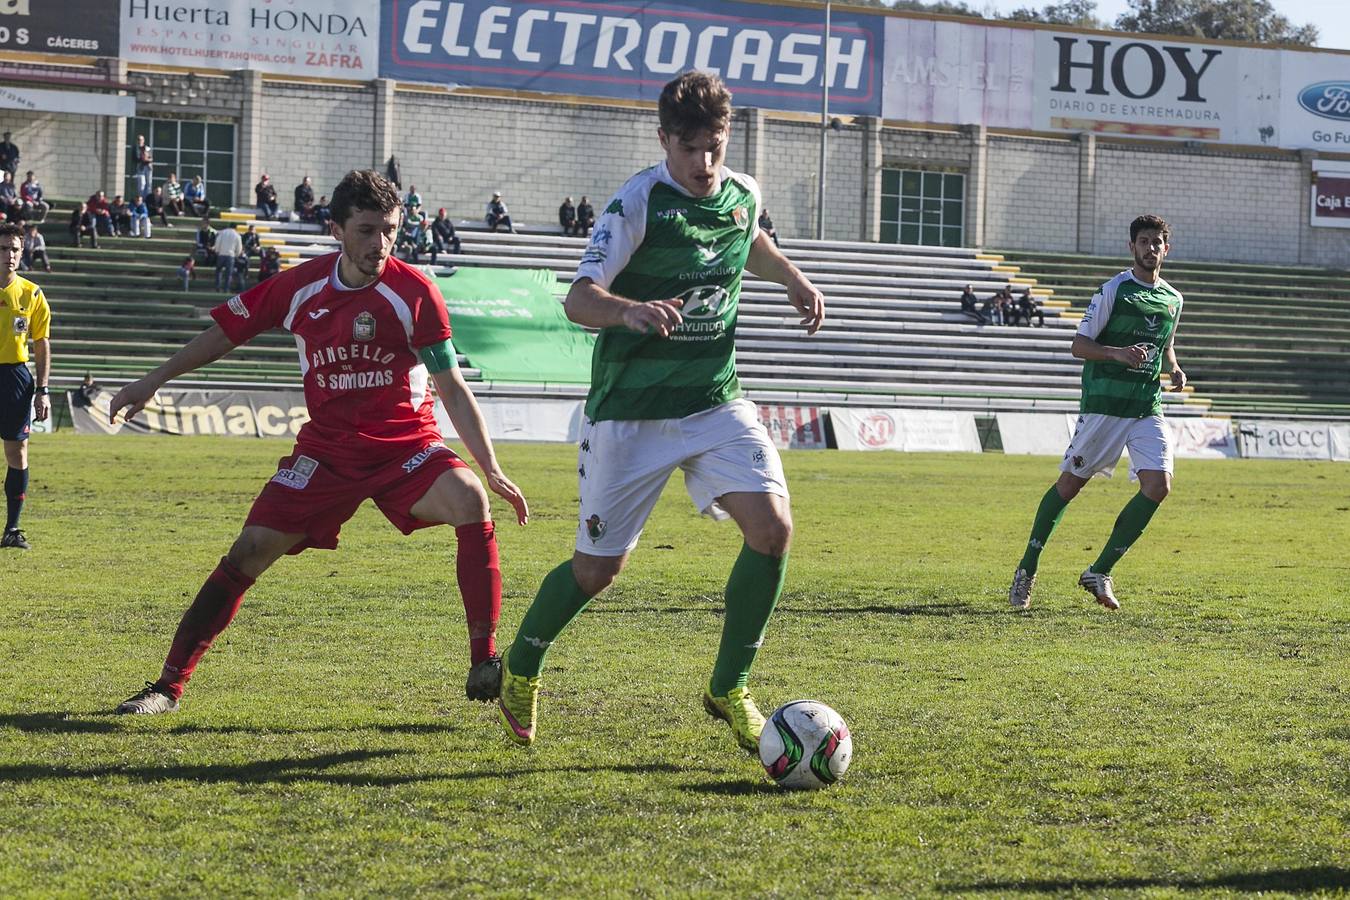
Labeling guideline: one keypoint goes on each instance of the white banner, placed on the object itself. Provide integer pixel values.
(910, 430)
(557, 421)
(1315, 101)
(793, 427)
(41, 100)
(958, 73)
(323, 38)
(1201, 438)
(1294, 440)
(1116, 84)
(1042, 434)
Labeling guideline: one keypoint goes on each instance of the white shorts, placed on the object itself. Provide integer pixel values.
(623, 466)
(1098, 441)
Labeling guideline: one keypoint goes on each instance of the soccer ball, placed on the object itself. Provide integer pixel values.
(805, 745)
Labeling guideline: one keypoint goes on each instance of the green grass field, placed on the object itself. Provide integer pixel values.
(1195, 743)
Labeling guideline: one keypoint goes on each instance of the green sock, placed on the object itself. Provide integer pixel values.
(1048, 515)
(1131, 522)
(558, 602)
(752, 591)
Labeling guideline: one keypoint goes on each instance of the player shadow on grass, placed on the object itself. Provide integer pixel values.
(107, 723)
(744, 788)
(896, 609)
(1304, 880)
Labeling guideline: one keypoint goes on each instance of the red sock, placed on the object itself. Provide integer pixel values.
(480, 584)
(215, 606)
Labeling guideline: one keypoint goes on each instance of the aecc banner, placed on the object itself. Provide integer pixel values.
(770, 56)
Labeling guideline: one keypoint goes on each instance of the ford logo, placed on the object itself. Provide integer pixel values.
(1328, 99)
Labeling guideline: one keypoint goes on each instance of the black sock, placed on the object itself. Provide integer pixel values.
(16, 487)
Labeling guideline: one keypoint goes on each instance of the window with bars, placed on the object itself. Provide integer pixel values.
(919, 207)
(189, 148)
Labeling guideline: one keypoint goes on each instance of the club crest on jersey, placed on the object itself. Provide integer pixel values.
(595, 527)
(20, 324)
(363, 327)
(741, 217)
(1171, 309)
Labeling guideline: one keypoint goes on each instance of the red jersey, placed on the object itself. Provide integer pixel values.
(365, 385)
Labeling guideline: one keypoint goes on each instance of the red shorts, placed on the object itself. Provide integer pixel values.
(313, 498)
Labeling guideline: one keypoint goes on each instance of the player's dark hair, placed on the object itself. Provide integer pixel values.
(693, 102)
(11, 230)
(1150, 223)
(362, 189)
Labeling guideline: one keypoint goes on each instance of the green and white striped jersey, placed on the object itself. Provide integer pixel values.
(655, 242)
(1123, 312)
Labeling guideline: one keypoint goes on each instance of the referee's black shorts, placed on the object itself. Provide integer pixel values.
(16, 401)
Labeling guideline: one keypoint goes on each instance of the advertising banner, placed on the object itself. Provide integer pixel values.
(78, 27)
(958, 73)
(556, 421)
(1315, 100)
(323, 38)
(80, 102)
(793, 427)
(1293, 440)
(1330, 200)
(235, 413)
(512, 327)
(911, 430)
(1039, 434)
(1201, 438)
(770, 56)
(1115, 84)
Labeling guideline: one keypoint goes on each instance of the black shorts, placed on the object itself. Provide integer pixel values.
(16, 401)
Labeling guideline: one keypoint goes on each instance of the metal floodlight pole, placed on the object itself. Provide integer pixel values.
(824, 125)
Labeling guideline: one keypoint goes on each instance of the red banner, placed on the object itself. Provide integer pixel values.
(794, 427)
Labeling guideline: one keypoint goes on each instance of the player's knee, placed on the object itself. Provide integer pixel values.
(1156, 491)
(595, 573)
(773, 537)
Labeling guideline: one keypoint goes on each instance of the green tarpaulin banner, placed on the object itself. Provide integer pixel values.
(510, 324)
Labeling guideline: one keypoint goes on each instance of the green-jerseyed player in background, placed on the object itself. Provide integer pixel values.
(661, 279)
(1125, 336)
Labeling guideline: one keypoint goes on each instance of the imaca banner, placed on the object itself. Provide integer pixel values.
(235, 413)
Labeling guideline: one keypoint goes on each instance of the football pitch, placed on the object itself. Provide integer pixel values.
(1197, 742)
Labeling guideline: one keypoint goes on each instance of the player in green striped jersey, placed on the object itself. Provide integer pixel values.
(661, 279)
(1126, 335)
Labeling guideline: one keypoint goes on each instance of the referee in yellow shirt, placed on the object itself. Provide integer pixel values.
(24, 315)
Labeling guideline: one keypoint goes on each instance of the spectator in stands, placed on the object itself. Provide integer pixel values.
(421, 238)
(9, 198)
(322, 214)
(173, 195)
(35, 208)
(567, 216)
(205, 248)
(270, 264)
(393, 172)
(187, 270)
(1007, 305)
(154, 205)
(252, 243)
(34, 249)
(140, 218)
(304, 200)
(120, 214)
(9, 155)
(144, 165)
(82, 222)
(498, 215)
(993, 308)
(98, 208)
(968, 308)
(266, 195)
(443, 237)
(585, 217)
(228, 248)
(412, 203)
(766, 225)
(406, 239)
(194, 196)
(1028, 306)
(83, 396)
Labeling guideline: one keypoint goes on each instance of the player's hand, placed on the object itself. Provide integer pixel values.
(132, 398)
(809, 302)
(1178, 379)
(1132, 357)
(41, 407)
(659, 317)
(502, 487)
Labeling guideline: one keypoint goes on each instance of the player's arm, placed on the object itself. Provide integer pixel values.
(1085, 347)
(206, 347)
(468, 421)
(1170, 358)
(769, 263)
(591, 305)
(42, 361)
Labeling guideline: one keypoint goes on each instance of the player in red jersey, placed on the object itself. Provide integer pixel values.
(370, 330)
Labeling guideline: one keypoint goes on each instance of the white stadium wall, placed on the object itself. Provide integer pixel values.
(317, 130)
(62, 149)
(1031, 194)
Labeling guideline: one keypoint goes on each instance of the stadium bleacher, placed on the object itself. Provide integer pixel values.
(894, 334)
